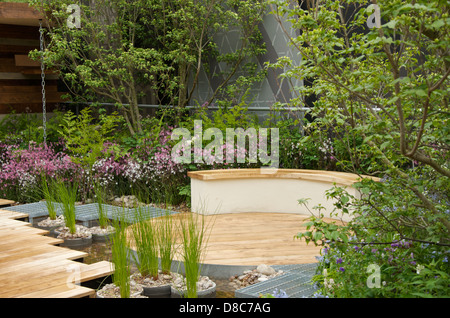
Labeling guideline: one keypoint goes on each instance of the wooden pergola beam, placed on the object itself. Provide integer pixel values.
(13, 10)
(19, 14)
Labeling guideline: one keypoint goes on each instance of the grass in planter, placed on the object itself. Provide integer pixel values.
(146, 243)
(67, 195)
(193, 234)
(166, 240)
(119, 257)
(100, 199)
(47, 192)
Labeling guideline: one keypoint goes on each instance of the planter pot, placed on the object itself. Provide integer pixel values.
(112, 291)
(74, 242)
(77, 242)
(102, 235)
(163, 291)
(152, 288)
(50, 225)
(207, 293)
(50, 229)
(102, 238)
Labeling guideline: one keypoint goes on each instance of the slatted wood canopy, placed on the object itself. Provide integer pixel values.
(33, 266)
(20, 79)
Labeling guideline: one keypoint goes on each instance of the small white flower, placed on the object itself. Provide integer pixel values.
(419, 268)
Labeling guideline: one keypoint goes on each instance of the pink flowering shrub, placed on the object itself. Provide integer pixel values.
(107, 173)
(152, 169)
(147, 170)
(21, 170)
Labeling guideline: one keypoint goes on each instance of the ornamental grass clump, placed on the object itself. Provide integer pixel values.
(100, 199)
(193, 233)
(119, 257)
(166, 240)
(47, 192)
(145, 239)
(67, 195)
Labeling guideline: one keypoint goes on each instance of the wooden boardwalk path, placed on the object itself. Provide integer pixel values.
(33, 266)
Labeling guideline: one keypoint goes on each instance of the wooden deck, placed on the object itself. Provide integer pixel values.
(254, 238)
(33, 266)
(4, 202)
(257, 238)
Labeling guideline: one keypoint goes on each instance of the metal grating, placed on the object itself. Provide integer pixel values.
(89, 212)
(34, 210)
(296, 282)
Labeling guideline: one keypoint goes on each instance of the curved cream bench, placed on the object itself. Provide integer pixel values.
(265, 190)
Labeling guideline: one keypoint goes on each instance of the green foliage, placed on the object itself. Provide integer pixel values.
(226, 116)
(382, 100)
(100, 198)
(166, 240)
(49, 196)
(193, 234)
(127, 50)
(66, 194)
(119, 257)
(375, 254)
(85, 138)
(145, 236)
(185, 191)
(27, 127)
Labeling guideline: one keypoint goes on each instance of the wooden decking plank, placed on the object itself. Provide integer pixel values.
(253, 238)
(6, 202)
(59, 276)
(6, 219)
(98, 270)
(22, 230)
(28, 252)
(36, 270)
(12, 245)
(36, 274)
(293, 259)
(32, 266)
(61, 292)
(12, 214)
(13, 224)
(41, 260)
(29, 239)
(87, 272)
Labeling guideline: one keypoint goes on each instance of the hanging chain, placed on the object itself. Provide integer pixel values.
(44, 111)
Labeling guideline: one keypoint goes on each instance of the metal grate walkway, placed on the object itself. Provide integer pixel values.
(89, 212)
(296, 282)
